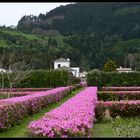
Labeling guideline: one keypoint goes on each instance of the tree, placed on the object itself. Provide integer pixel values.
(17, 69)
(110, 65)
(2, 73)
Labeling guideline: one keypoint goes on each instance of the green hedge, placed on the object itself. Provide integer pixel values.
(94, 78)
(44, 78)
(117, 108)
(113, 79)
(108, 96)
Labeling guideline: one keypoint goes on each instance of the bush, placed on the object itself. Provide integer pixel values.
(126, 127)
(74, 118)
(42, 78)
(118, 108)
(119, 95)
(45, 78)
(113, 79)
(13, 110)
(94, 78)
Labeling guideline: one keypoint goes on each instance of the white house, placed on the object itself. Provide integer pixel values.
(120, 70)
(62, 63)
(75, 71)
(3, 70)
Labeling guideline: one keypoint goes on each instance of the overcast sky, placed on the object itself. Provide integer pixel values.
(11, 13)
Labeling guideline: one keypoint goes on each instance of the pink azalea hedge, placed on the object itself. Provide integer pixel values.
(123, 108)
(84, 84)
(74, 118)
(121, 88)
(25, 89)
(121, 92)
(13, 110)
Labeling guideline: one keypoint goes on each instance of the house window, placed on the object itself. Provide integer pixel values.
(59, 65)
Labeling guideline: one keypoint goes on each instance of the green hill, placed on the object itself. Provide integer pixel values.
(101, 18)
(87, 33)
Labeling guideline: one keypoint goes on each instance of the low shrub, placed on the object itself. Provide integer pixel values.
(94, 78)
(118, 95)
(113, 79)
(74, 118)
(122, 108)
(13, 110)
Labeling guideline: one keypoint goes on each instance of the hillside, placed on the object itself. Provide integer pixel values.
(87, 33)
(102, 19)
(87, 51)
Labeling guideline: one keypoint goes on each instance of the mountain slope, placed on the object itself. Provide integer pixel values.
(102, 19)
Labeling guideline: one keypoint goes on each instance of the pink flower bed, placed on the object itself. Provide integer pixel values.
(123, 108)
(121, 88)
(13, 110)
(26, 89)
(74, 118)
(15, 94)
(84, 84)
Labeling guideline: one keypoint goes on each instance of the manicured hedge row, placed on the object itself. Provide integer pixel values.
(25, 89)
(17, 92)
(118, 95)
(48, 78)
(43, 79)
(122, 108)
(74, 118)
(13, 110)
(5, 95)
(113, 79)
(121, 88)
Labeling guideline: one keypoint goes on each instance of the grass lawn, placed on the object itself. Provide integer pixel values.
(102, 129)
(19, 130)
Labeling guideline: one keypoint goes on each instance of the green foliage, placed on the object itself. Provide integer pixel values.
(108, 96)
(126, 127)
(120, 79)
(115, 79)
(87, 18)
(42, 78)
(94, 78)
(89, 34)
(109, 66)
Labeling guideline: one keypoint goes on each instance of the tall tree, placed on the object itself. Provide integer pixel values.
(110, 65)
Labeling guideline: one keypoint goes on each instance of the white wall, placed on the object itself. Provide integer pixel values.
(77, 70)
(67, 64)
(2, 70)
(124, 71)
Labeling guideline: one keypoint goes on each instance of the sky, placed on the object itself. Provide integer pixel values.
(11, 13)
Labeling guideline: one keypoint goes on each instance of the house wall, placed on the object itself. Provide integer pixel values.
(67, 64)
(124, 71)
(76, 72)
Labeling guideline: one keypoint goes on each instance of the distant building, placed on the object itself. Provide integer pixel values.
(12, 27)
(124, 70)
(62, 63)
(3, 70)
(83, 76)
